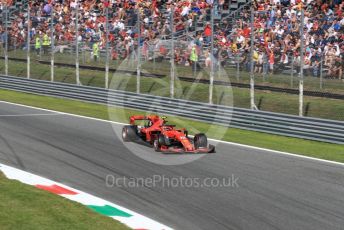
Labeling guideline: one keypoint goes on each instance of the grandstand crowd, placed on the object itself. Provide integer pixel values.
(276, 35)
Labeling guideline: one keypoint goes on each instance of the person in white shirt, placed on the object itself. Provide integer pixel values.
(284, 60)
(259, 66)
(185, 11)
(73, 4)
(307, 63)
(118, 25)
(280, 32)
(309, 26)
(240, 40)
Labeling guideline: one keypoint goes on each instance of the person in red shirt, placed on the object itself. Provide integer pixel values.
(207, 33)
(246, 32)
(163, 50)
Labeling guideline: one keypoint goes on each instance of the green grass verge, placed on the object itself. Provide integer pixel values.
(321, 150)
(26, 207)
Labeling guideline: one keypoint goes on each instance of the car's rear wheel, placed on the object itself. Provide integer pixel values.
(200, 141)
(129, 133)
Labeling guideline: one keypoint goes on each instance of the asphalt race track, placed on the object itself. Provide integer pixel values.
(274, 191)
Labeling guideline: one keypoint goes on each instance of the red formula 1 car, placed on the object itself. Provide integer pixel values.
(164, 138)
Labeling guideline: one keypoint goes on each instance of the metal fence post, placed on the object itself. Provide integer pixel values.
(264, 73)
(15, 46)
(77, 73)
(292, 72)
(83, 52)
(6, 39)
(252, 101)
(211, 82)
(107, 50)
(28, 40)
(40, 48)
(237, 59)
(172, 55)
(321, 70)
(154, 64)
(138, 70)
(52, 61)
(301, 64)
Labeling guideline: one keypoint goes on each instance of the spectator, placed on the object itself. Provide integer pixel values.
(284, 60)
(207, 33)
(95, 51)
(271, 61)
(45, 43)
(194, 58)
(38, 44)
(259, 66)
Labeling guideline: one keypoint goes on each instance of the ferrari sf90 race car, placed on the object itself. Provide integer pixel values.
(163, 137)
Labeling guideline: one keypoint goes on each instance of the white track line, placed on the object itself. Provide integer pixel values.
(220, 141)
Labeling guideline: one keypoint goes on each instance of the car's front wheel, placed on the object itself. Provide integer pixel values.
(200, 141)
(156, 145)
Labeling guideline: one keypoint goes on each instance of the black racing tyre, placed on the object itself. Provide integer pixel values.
(200, 141)
(156, 145)
(129, 133)
(161, 140)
